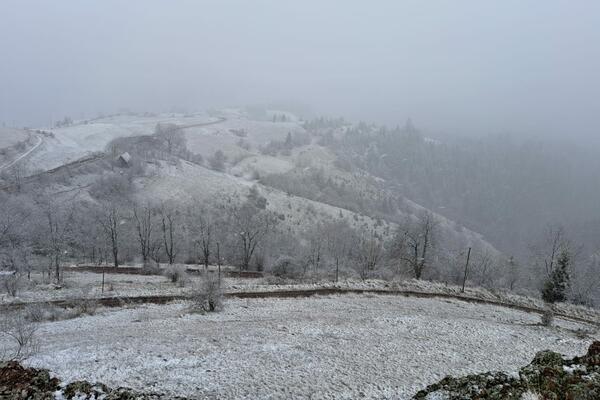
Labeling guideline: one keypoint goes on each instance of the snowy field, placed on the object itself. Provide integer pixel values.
(208, 139)
(346, 346)
(76, 141)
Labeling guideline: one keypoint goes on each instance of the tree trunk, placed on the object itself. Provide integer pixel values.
(116, 256)
(57, 268)
(219, 262)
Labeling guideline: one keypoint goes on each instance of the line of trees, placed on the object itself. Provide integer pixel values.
(44, 232)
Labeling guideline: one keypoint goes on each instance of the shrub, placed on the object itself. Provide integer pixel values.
(151, 267)
(81, 303)
(176, 274)
(44, 312)
(286, 267)
(217, 161)
(547, 317)
(86, 306)
(198, 159)
(11, 283)
(208, 296)
(21, 333)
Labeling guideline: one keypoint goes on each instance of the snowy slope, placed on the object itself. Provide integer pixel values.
(241, 138)
(192, 184)
(80, 139)
(226, 135)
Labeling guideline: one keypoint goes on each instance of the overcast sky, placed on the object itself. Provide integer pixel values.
(452, 66)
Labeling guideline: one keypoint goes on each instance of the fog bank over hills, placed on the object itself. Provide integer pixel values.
(274, 199)
(517, 67)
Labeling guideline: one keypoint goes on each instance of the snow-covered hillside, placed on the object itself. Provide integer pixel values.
(192, 184)
(69, 143)
(248, 162)
(235, 130)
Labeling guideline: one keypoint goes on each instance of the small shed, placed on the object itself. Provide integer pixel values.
(124, 159)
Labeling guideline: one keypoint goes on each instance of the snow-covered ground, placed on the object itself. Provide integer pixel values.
(191, 183)
(240, 137)
(224, 136)
(346, 346)
(78, 140)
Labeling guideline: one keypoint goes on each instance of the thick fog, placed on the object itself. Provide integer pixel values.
(471, 67)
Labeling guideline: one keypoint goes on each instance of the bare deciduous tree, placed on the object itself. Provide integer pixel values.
(484, 264)
(11, 282)
(419, 236)
(251, 226)
(547, 250)
(205, 230)
(585, 283)
(368, 254)
(172, 136)
(54, 231)
(21, 333)
(109, 218)
(143, 216)
(168, 219)
(513, 272)
(316, 246)
(338, 238)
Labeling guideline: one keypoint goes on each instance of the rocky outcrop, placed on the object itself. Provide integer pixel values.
(549, 376)
(18, 382)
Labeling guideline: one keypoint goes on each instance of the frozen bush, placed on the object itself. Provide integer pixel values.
(35, 312)
(82, 303)
(86, 306)
(207, 296)
(176, 274)
(20, 333)
(44, 312)
(11, 283)
(151, 267)
(217, 161)
(286, 267)
(547, 317)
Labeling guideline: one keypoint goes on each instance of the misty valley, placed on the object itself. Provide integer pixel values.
(259, 200)
(239, 212)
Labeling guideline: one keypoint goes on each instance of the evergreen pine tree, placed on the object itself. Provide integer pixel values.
(555, 287)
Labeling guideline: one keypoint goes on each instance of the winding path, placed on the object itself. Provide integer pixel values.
(22, 156)
(299, 293)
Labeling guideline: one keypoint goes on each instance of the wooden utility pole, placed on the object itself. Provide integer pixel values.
(219, 261)
(466, 271)
(103, 271)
